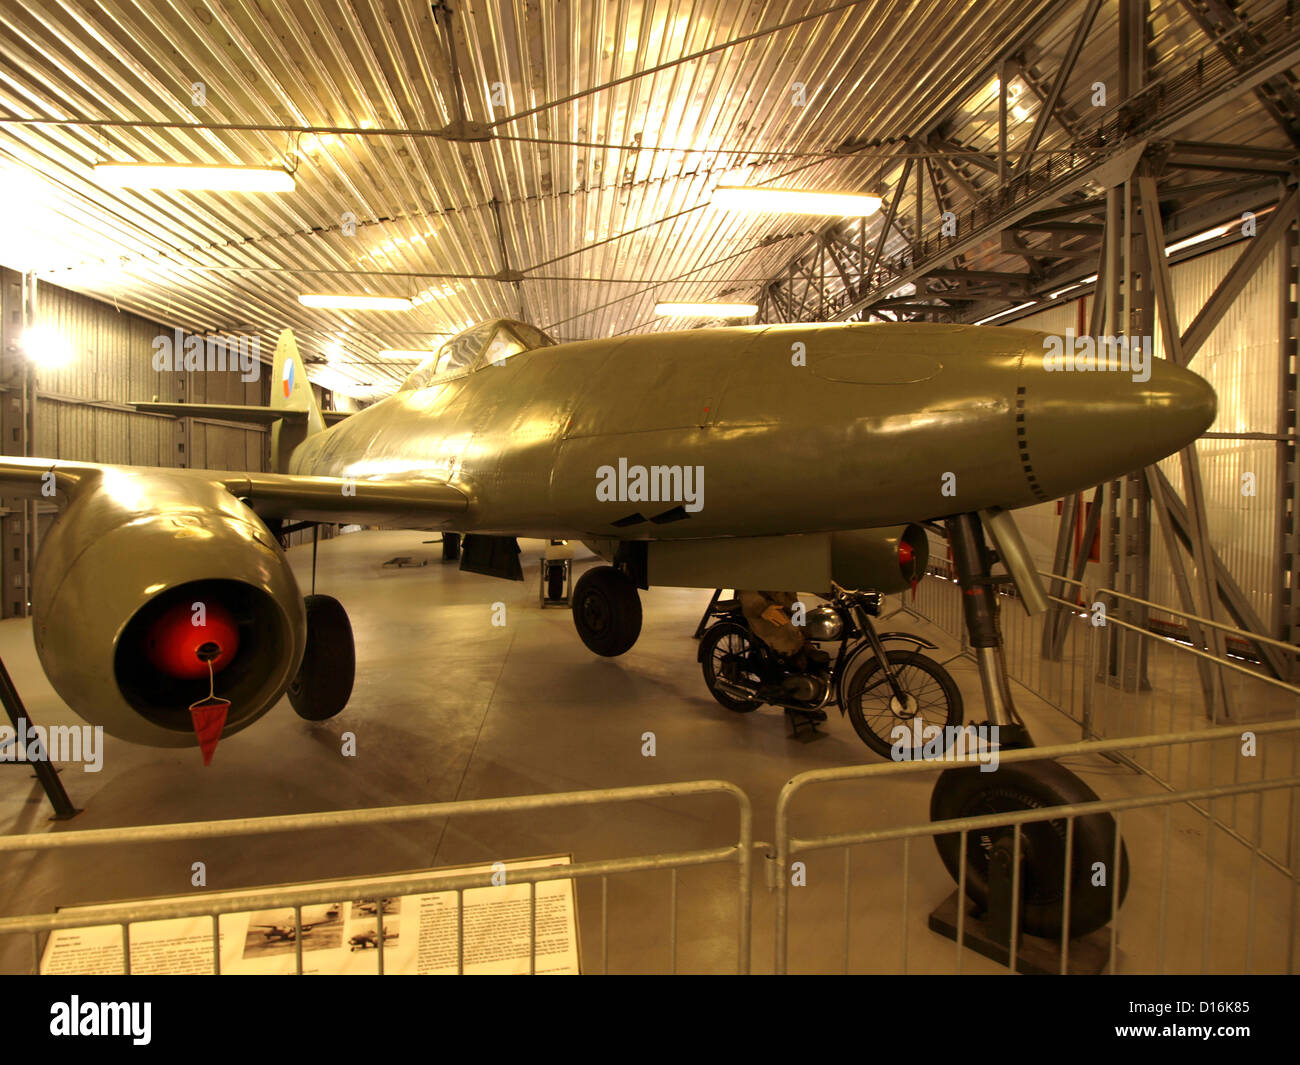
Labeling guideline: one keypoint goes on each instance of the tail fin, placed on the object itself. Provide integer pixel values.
(291, 390)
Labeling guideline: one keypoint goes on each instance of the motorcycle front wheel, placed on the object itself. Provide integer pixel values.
(930, 694)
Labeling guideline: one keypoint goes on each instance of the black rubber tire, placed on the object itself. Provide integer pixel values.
(323, 685)
(967, 792)
(920, 676)
(555, 583)
(710, 655)
(607, 611)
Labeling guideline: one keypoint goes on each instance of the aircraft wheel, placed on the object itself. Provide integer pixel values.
(555, 583)
(967, 792)
(324, 681)
(606, 611)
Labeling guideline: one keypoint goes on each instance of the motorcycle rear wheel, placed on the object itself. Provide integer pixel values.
(722, 647)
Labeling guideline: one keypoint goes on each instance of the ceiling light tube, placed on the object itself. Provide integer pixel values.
(706, 310)
(195, 178)
(327, 301)
(1009, 310)
(794, 201)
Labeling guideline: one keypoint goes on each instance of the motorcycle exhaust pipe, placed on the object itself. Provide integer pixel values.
(736, 691)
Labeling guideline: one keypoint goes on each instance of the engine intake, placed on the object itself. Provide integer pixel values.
(130, 558)
(883, 560)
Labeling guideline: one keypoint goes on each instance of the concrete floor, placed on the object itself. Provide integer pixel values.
(448, 706)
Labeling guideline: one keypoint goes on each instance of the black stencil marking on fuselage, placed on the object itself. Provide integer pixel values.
(1023, 441)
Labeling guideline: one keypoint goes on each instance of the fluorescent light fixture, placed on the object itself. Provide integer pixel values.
(1200, 238)
(400, 355)
(794, 201)
(46, 347)
(1072, 285)
(345, 384)
(198, 178)
(354, 303)
(1003, 314)
(313, 141)
(706, 310)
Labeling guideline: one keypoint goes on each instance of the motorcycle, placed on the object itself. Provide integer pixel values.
(879, 689)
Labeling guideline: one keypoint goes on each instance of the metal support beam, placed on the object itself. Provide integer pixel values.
(1056, 588)
(1203, 602)
(1058, 85)
(1128, 558)
(1206, 638)
(1235, 279)
(1004, 75)
(1157, 112)
(1230, 594)
(17, 425)
(1232, 37)
(894, 201)
(1286, 589)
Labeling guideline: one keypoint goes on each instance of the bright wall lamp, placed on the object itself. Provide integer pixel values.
(794, 201)
(197, 178)
(326, 301)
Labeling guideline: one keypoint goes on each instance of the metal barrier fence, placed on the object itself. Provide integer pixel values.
(1235, 785)
(297, 896)
(1120, 679)
(1255, 883)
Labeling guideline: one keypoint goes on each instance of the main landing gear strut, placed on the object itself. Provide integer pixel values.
(989, 856)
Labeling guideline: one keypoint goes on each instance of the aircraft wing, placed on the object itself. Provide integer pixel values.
(236, 412)
(395, 498)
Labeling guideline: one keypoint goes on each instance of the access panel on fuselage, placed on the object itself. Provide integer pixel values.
(660, 381)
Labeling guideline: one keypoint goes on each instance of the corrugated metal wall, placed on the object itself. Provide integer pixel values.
(1240, 360)
(82, 410)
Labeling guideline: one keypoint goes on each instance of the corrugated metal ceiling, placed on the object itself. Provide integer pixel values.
(595, 184)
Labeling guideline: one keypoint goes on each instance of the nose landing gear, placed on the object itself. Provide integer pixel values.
(1045, 858)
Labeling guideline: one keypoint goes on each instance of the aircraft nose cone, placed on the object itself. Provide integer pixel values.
(1085, 427)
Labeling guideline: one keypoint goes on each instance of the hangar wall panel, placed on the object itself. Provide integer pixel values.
(82, 410)
(1240, 360)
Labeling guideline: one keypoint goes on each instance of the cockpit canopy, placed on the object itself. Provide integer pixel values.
(485, 345)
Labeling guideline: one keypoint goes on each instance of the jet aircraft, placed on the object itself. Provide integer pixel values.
(285, 933)
(765, 457)
(364, 940)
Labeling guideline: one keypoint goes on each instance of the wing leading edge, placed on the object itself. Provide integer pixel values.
(272, 495)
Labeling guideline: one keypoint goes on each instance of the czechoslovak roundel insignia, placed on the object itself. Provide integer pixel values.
(287, 378)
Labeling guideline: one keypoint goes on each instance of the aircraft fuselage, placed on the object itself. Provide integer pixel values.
(785, 429)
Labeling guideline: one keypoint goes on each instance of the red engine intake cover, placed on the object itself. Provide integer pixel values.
(174, 641)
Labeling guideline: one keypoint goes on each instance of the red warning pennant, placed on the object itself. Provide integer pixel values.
(209, 717)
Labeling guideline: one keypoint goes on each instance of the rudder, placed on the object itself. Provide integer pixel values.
(291, 390)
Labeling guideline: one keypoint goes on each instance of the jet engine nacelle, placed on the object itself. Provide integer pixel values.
(882, 560)
(144, 571)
